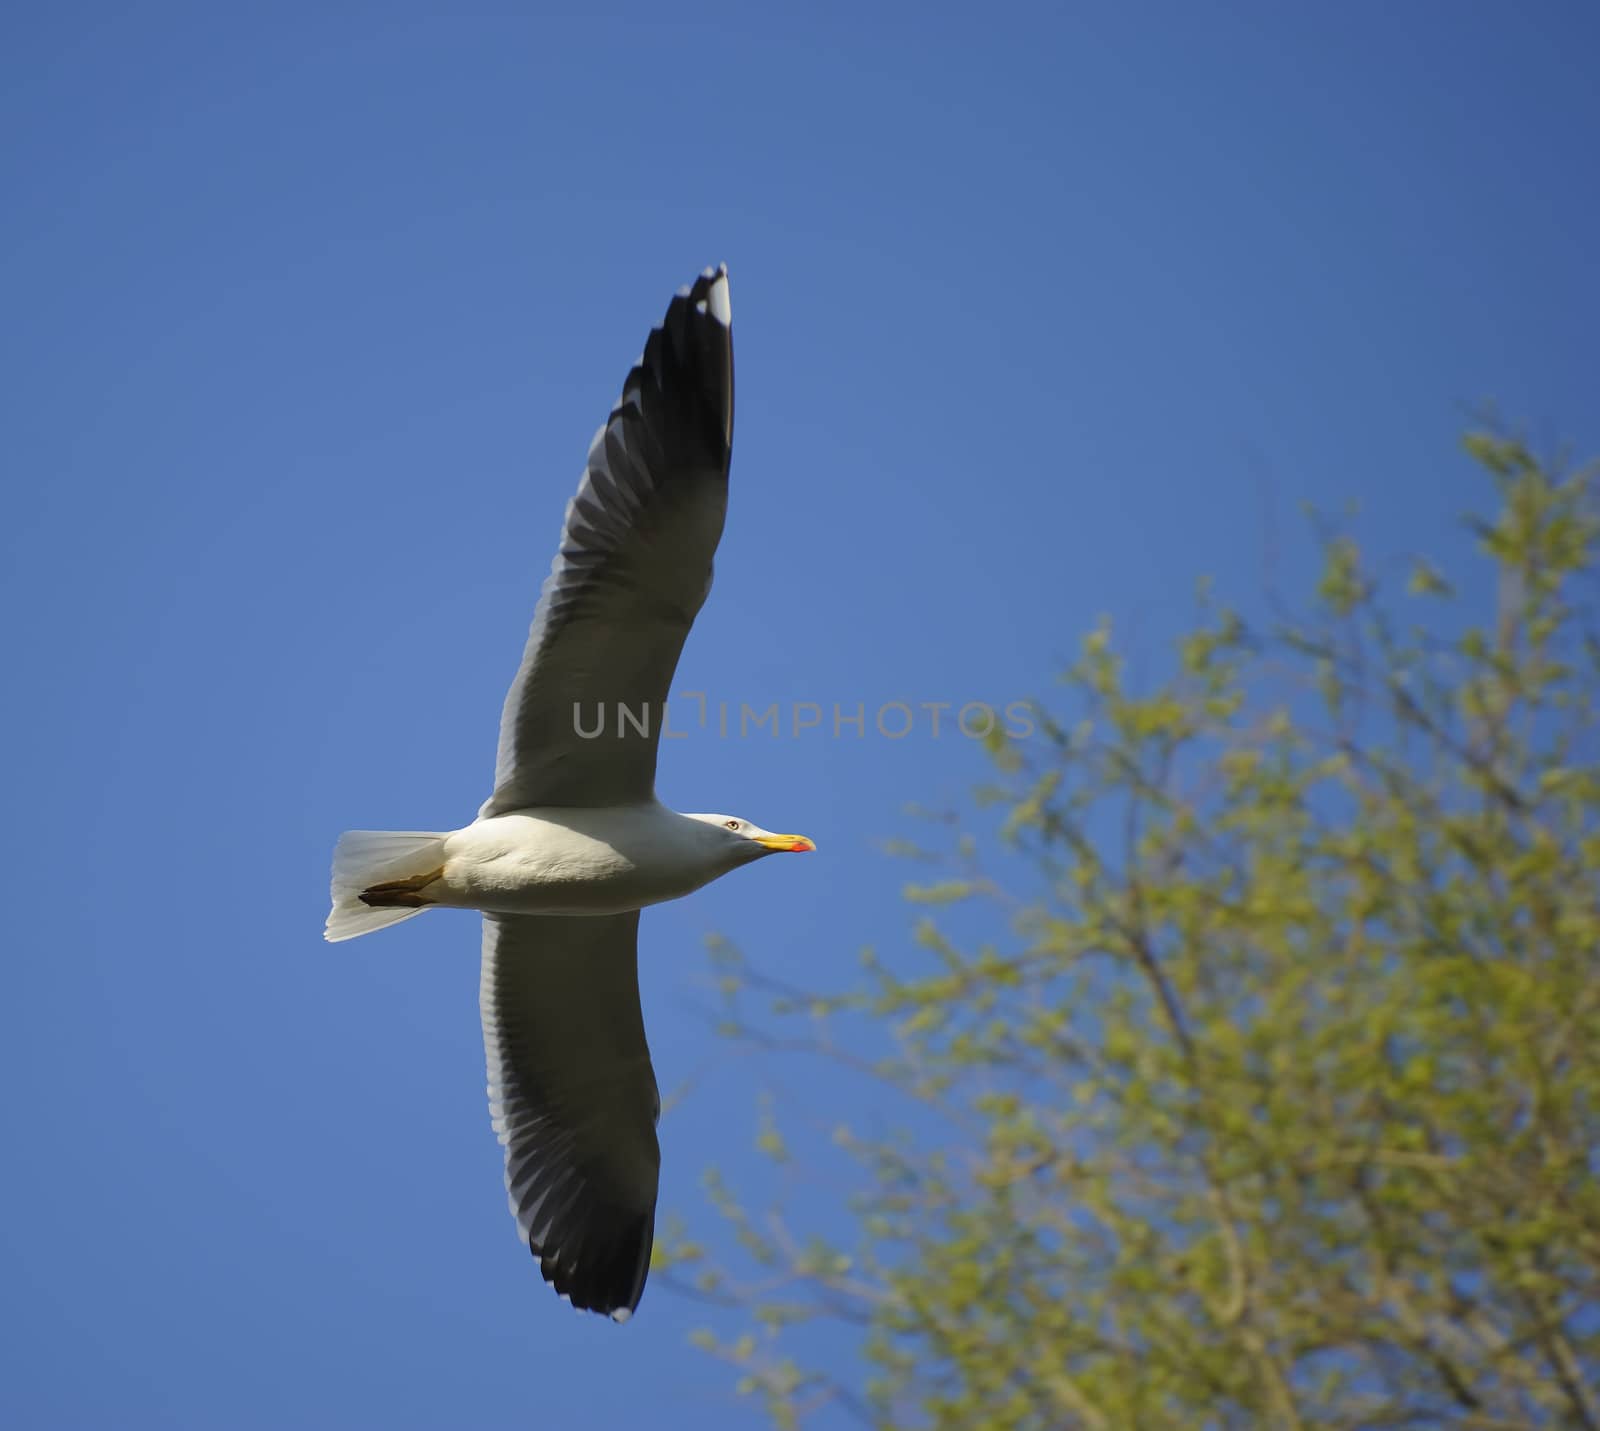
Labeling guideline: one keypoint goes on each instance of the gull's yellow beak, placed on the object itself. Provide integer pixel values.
(796, 844)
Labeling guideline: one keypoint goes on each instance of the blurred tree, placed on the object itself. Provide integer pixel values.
(1273, 1098)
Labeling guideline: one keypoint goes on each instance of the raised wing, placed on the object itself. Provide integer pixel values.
(574, 1099)
(583, 718)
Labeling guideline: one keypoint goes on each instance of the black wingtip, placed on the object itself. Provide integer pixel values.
(709, 295)
(608, 1275)
(698, 329)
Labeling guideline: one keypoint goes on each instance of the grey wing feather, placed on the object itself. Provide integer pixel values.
(632, 572)
(573, 1099)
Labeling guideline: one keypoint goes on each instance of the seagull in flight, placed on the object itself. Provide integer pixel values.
(573, 843)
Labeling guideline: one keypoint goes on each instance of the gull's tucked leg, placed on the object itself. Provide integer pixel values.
(401, 893)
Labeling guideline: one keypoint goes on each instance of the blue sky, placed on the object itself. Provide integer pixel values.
(310, 314)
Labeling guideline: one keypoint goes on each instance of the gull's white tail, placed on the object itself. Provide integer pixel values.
(390, 867)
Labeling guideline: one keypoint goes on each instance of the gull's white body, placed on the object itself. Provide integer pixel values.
(577, 861)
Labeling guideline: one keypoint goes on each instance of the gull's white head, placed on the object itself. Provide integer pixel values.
(751, 840)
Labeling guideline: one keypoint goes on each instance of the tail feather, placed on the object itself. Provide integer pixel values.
(364, 858)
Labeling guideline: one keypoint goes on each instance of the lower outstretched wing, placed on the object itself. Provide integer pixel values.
(574, 1100)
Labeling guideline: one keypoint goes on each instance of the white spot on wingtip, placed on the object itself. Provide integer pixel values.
(621, 1315)
(721, 305)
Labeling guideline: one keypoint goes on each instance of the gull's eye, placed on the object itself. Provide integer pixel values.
(734, 825)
